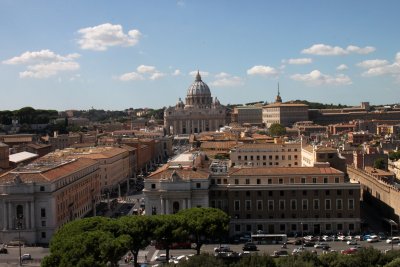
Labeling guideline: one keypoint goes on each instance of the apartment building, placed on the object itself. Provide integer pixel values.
(40, 197)
(266, 155)
(282, 200)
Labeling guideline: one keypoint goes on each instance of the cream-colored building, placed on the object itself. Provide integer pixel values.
(266, 155)
(199, 114)
(247, 114)
(40, 197)
(284, 113)
(181, 184)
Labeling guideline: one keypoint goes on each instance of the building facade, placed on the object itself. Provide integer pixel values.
(283, 200)
(267, 155)
(38, 198)
(200, 112)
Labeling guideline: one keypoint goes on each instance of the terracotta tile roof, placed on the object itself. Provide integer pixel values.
(47, 175)
(283, 171)
(218, 145)
(184, 174)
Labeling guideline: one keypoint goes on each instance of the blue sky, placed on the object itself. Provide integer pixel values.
(121, 54)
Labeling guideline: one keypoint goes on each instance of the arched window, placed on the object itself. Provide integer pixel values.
(175, 207)
(20, 211)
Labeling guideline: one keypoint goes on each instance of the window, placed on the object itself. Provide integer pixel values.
(303, 180)
(280, 181)
(327, 192)
(351, 192)
(339, 192)
(339, 204)
(41, 188)
(236, 181)
(269, 181)
(247, 181)
(237, 205)
(276, 157)
(293, 227)
(289, 157)
(339, 227)
(292, 180)
(153, 186)
(281, 204)
(293, 204)
(258, 181)
(270, 193)
(304, 192)
(314, 180)
(264, 157)
(327, 204)
(351, 204)
(42, 212)
(316, 204)
(270, 205)
(251, 157)
(328, 227)
(336, 180)
(270, 157)
(351, 226)
(237, 227)
(248, 204)
(43, 223)
(258, 157)
(325, 180)
(239, 157)
(43, 234)
(282, 227)
(259, 204)
(281, 193)
(247, 193)
(283, 157)
(304, 204)
(245, 157)
(198, 185)
(248, 227)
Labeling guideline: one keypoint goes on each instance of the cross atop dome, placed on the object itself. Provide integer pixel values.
(198, 77)
(278, 98)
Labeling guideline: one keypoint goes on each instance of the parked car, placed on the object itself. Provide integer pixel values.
(3, 250)
(250, 247)
(373, 238)
(162, 258)
(352, 242)
(298, 250)
(222, 248)
(393, 240)
(321, 245)
(26, 257)
(279, 253)
(349, 251)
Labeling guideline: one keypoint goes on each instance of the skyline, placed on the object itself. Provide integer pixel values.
(79, 55)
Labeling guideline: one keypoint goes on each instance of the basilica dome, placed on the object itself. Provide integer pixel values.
(199, 94)
(198, 87)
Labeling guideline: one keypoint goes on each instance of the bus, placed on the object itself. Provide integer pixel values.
(268, 239)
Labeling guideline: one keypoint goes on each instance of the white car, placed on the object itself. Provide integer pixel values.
(161, 257)
(352, 242)
(373, 238)
(393, 240)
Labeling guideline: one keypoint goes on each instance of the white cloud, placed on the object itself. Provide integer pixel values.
(224, 79)
(379, 67)
(44, 63)
(298, 61)
(176, 72)
(262, 70)
(315, 77)
(327, 50)
(131, 76)
(100, 37)
(144, 72)
(202, 73)
(146, 69)
(157, 75)
(373, 63)
(342, 67)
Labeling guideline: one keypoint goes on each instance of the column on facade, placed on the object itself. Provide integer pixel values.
(189, 203)
(10, 216)
(162, 205)
(26, 215)
(198, 126)
(167, 206)
(184, 203)
(4, 215)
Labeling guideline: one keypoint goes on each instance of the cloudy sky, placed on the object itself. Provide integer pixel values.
(120, 54)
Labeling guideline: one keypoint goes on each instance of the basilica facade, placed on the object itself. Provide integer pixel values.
(199, 113)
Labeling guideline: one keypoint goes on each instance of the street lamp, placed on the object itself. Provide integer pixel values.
(302, 238)
(19, 227)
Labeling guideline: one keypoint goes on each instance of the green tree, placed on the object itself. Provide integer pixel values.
(256, 260)
(139, 229)
(277, 129)
(204, 223)
(167, 229)
(379, 163)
